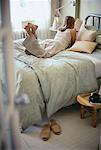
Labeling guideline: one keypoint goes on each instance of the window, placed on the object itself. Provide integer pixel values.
(35, 11)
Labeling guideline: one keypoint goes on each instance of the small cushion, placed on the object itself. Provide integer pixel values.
(78, 24)
(86, 35)
(83, 46)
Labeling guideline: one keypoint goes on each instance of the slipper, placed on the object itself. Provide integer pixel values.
(45, 132)
(55, 127)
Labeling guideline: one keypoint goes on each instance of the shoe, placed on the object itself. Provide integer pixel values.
(55, 127)
(45, 132)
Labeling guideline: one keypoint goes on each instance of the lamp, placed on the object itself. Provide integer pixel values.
(57, 19)
(56, 22)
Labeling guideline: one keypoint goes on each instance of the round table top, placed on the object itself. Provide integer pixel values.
(83, 99)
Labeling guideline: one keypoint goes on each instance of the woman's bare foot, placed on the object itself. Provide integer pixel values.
(33, 27)
(29, 32)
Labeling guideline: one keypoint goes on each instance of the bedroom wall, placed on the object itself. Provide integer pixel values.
(89, 6)
(68, 9)
(85, 7)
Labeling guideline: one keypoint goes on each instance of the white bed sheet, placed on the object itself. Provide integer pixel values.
(95, 57)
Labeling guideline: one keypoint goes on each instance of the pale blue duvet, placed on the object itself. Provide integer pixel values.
(51, 83)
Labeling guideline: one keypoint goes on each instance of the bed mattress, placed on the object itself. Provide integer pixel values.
(95, 57)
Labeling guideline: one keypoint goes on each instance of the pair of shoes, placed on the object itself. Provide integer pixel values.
(47, 128)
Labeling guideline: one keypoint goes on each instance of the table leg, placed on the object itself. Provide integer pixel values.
(94, 118)
(82, 112)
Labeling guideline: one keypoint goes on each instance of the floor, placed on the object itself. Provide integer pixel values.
(77, 134)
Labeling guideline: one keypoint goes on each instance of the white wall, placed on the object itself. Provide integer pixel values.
(89, 6)
(86, 7)
(69, 9)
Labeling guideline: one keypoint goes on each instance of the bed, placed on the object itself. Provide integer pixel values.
(53, 83)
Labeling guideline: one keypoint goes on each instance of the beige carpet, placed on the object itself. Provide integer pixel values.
(76, 134)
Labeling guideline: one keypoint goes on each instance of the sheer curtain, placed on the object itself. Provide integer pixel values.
(36, 11)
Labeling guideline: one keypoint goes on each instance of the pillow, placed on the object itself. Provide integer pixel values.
(89, 27)
(78, 24)
(98, 33)
(86, 35)
(83, 46)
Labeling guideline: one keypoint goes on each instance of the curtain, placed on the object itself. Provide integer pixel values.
(35, 11)
(54, 5)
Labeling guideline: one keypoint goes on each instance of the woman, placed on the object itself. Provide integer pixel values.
(64, 37)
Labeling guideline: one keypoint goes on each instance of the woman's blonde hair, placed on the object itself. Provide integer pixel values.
(68, 23)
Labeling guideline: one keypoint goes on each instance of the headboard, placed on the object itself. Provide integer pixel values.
(94, 16)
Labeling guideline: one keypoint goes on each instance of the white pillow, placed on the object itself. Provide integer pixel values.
(86, 35)
(83, 46)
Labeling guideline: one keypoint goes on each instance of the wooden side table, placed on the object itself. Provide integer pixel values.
(83, 99)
